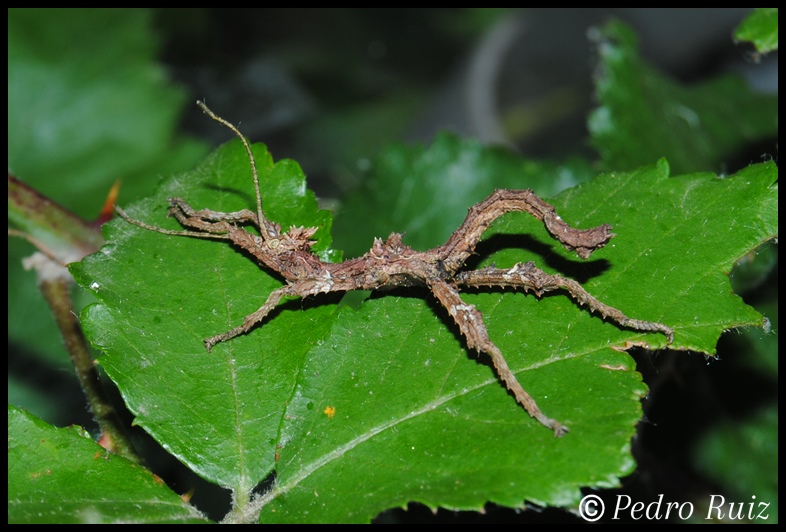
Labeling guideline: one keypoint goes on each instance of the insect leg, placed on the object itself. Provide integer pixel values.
(529, 277)
(143, 225)
(463, 241)
(252, 319)
(470, 322)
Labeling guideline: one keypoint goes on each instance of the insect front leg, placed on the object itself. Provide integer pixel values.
(470, 322)
(209, 221)
(218, 235)
(255, 317)
(203, 223)
(179, 208)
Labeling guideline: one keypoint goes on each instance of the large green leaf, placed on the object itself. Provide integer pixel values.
(359, 410)
(92, 485)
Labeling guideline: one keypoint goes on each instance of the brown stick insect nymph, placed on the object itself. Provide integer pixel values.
(390, 263)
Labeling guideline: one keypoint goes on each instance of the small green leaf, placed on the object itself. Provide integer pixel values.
(760, 28)
(644, 116)
(91, 485)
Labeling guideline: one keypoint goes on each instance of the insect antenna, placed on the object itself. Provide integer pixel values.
(270, 230)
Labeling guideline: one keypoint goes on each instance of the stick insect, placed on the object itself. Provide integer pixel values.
(390, 263)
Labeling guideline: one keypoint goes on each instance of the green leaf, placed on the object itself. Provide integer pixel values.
(92, 485)
(73, 129)
(644, 115)
(761, 29)
(673, 241)
(87, 106)
(359, 410)
(417, 419)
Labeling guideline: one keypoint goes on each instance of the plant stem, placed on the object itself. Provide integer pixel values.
(54, 281)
